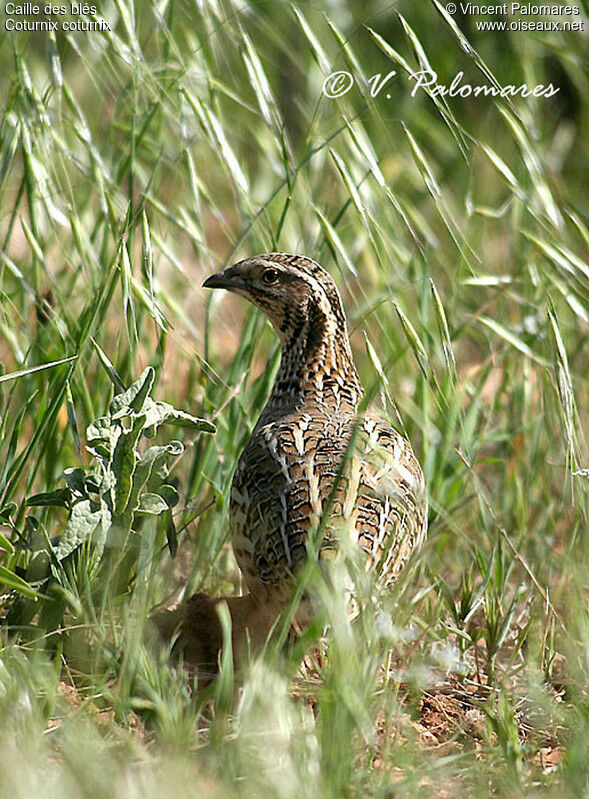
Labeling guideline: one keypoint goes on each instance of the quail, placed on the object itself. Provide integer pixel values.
(313, 453)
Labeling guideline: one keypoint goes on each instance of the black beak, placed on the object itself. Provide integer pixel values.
(217, 281)
(223, 280)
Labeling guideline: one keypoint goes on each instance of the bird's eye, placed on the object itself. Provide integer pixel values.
(270, 276)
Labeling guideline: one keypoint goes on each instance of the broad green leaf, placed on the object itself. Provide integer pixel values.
(134, 397)
(76, 481)
(157, 413)
(153, 458)
(183, 419)
(39, 565)
(152, 504)
(159, 474)
(102, 431)
(59, 498)
(101, 531)
(123, 463)
(169, 494)
(80, 526)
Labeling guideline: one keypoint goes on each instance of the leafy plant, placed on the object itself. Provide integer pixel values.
(108, 500)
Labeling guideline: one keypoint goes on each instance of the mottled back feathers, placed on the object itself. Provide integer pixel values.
(311, 451)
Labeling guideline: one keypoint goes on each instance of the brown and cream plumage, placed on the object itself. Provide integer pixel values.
(312, 452)
(288, 468)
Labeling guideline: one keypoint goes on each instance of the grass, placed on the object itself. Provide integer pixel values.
(135, 162)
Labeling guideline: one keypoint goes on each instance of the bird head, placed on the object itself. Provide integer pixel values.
(293, 291)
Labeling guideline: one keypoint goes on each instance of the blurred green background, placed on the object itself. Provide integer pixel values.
(136, 161)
